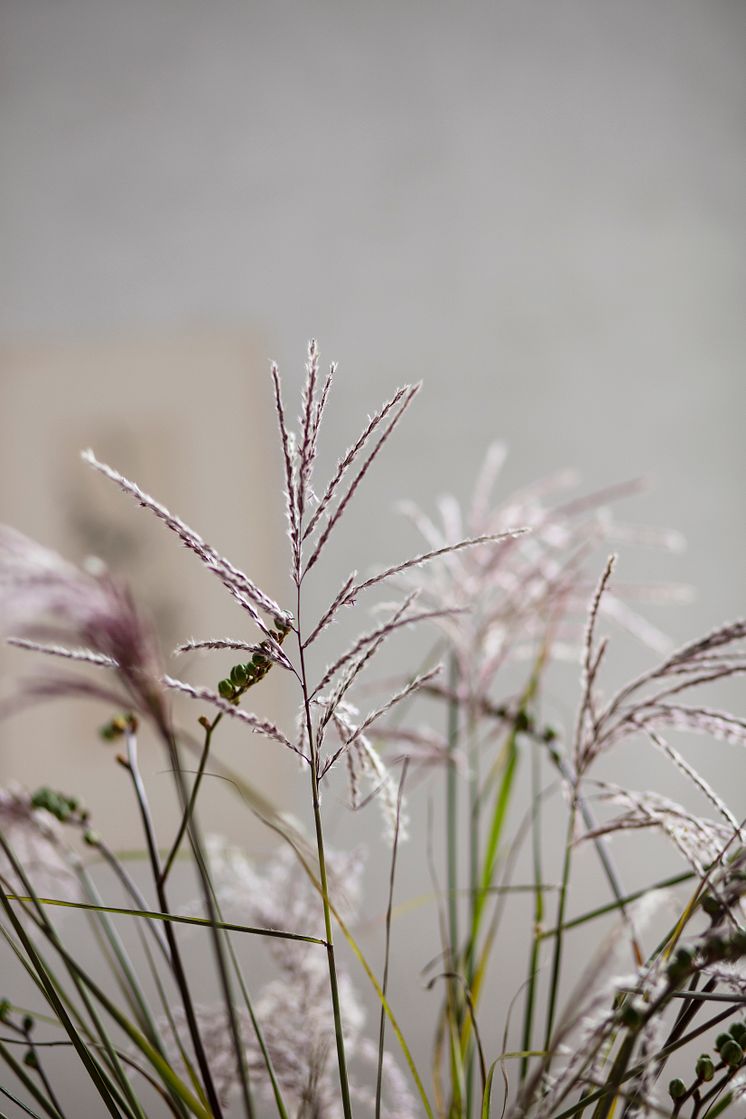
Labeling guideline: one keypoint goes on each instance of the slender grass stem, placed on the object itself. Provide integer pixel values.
(131, 888)
(533, 965)
(592, 1097)
(387, 945)
(475, 898)
(39, 1066)
(177, 965)
(318, 827)
(19, 1103)
(46, 1103)
(606, 1103)
(189, 810)
(129, 979)
(97, 1076)
(266, 1057)
(172, 918)
(120, 1086)
(558, 940)
(453, 1000)
(613, 906)
(452, 812)
(602, 851)
(203, 874)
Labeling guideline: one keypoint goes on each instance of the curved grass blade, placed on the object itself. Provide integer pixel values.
(154, 915)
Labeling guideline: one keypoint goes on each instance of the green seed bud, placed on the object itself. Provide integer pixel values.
(732, 1054)
(91, 838)
(677, 1089)
(721, 1040)
(711, 905)
(239, 674)
(738, 1032)
(738, 942)
(630, 1015)
(30, 1059)
(680, 966)
(115, 728)
(28, 1024)
(714, 948)
(226, 689)
(56, 804)
(521, 721)
(5, 1009)
(705, 1069)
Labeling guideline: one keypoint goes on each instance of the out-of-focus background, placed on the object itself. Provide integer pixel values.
(535, 207)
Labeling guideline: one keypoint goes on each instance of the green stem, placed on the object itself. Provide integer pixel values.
(598, 1093)
(174, 953)
(189, 810)
(218, 942)
(130, 982)
(533, 966)
(387, 943)
(328, 931)
(124, 1094)
(41, 1073)
(132, 889)
(475, 897)
(452, 814)
(612, 906)
(616, 1077)
(558, 940)
(48, 1105)
(50, 992)
(453, 995)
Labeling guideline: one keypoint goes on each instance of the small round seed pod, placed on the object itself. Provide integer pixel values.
(732, 1054)
(680, 966)
(738, 942)
(239, 675)
(677, 1089)
(630, 1015)
(226, 689)
(522, 721)
(705, 1068)
(714, 948)
(711, 905)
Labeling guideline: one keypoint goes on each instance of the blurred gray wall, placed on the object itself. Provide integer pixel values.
(537, 207)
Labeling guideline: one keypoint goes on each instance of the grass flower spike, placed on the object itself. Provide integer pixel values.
(543, 1001)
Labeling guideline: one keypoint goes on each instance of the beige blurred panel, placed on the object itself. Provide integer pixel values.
(189, 418)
